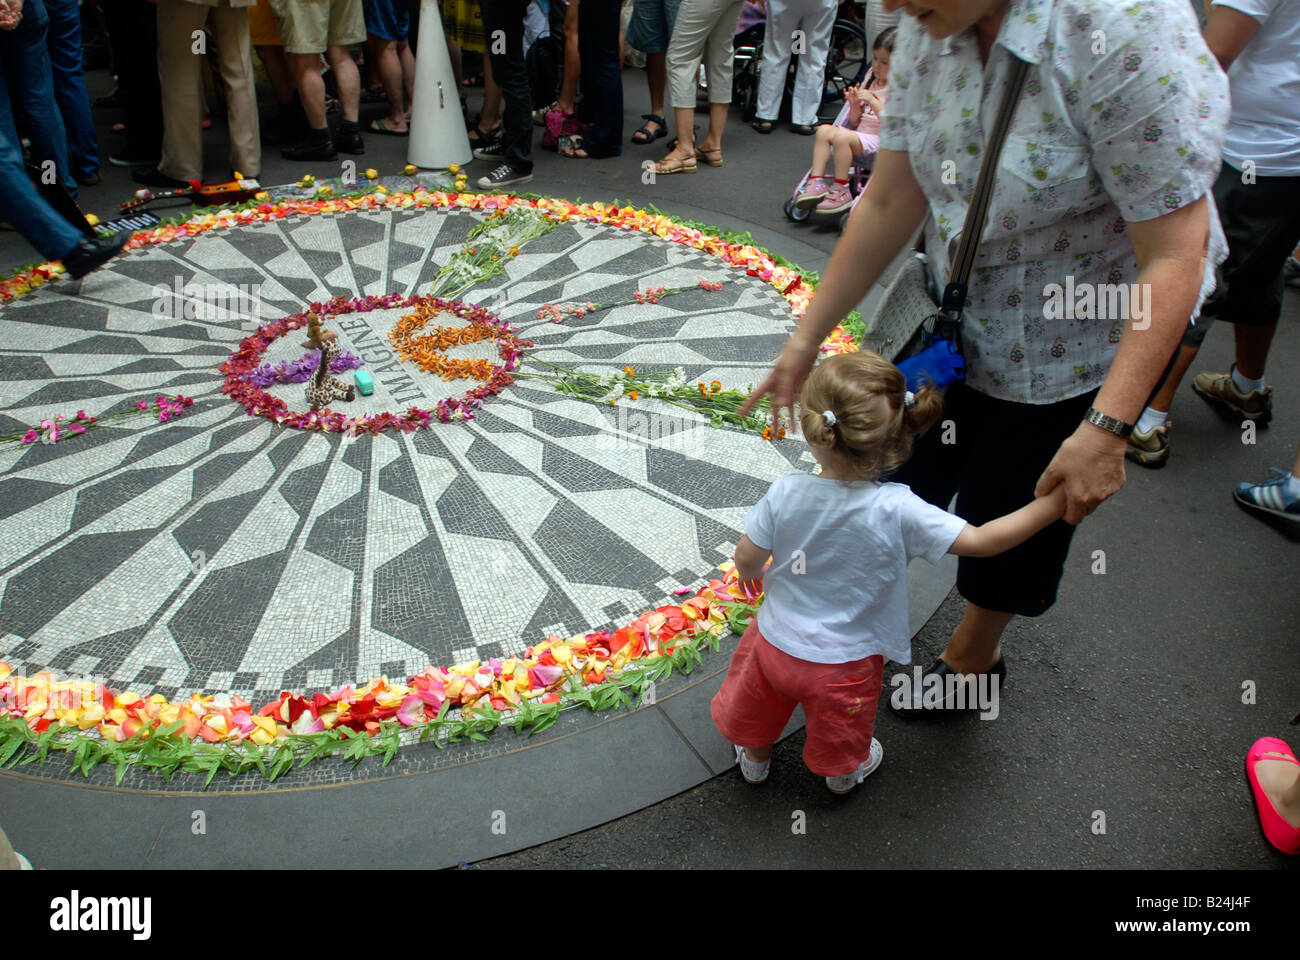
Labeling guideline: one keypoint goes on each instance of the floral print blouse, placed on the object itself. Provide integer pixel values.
(1121, 118)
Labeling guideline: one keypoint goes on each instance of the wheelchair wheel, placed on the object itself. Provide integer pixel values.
(846, 64)
(844, 219)
(794, 213)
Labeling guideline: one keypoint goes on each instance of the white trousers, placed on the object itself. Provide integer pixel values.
(795, 26)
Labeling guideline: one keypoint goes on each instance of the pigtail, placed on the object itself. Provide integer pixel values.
(925, 411)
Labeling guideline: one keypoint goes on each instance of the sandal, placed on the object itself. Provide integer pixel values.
(539, 115)
(484, 137)
(708, 156)
(763, 126)
(675, 165)
(645, 134)
(380, 127)
(1276, 829)
(803, 129)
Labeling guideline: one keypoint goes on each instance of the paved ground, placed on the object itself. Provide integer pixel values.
(1125, 700)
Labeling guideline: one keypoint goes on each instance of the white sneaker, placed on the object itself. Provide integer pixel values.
(751, 770)
(842, 785)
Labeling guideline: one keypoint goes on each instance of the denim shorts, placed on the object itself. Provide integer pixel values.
(386, 19)
(651, 26)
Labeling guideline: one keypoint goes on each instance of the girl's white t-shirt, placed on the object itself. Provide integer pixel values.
(837, 587)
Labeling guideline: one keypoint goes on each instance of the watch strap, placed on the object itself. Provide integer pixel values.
(1108, 423)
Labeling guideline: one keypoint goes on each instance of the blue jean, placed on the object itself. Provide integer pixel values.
(20, 205)
(601, 77)
(26, 61)
(64, 43)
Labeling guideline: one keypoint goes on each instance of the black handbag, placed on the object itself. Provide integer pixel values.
(921, 336)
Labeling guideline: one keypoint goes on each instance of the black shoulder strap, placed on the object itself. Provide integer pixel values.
(954, 294)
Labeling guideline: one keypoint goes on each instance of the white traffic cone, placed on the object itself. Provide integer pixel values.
(438, 137)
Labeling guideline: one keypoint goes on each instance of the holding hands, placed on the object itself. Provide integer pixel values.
(11, 12)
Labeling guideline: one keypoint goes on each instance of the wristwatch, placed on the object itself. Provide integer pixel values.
(1109, 424)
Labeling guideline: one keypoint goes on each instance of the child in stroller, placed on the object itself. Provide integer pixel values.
(854, 138)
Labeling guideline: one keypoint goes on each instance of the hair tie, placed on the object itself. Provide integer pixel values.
(830, 417)
(909, 400)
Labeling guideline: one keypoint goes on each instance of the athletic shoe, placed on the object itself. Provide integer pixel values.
(813, 192)
(844, 784)
(837, 201)
(1291, 272)
(751, 770)
(1219, 388)
(1270, 497)
(1151, 449)
(89, 254)
(492, 150)
(503, 176)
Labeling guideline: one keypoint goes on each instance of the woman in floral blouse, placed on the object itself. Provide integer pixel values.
(1102, 182)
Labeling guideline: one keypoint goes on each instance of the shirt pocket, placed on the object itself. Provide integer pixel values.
(1046, 175)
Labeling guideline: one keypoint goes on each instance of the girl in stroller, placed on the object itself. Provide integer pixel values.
(859, 135)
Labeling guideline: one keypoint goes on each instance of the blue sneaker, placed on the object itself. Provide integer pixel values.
(1270, 497)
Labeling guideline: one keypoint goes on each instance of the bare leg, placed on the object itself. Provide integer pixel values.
(975, 646)
(717, 121)
(491, 114)
(407, 59)
(348, 79)
(384, 54)
(1252, 348)
(453, 51)
(277, 71)
(847, 146)
(684, 118)
(821, 150)
(572, 65)
(1164, 398)
(656, 74)
(311, 88)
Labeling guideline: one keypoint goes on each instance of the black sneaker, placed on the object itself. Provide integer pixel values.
(348, 140)
(89, 254)
(156, 178)
(317, 146)
(503, 176)
(492, 150)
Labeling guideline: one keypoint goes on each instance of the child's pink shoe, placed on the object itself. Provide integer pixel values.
(812, 193)
(1276, 829)
(842, 785)
(837, 201)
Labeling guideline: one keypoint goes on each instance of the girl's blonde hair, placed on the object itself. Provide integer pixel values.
(873, 428)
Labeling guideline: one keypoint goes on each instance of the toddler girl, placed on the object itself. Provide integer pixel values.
(860, 136)
(836, 591)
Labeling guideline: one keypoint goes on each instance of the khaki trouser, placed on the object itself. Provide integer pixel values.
(703, 31)
(178, 72)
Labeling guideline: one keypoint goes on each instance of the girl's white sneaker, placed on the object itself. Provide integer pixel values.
(843, 784)
(751, 770)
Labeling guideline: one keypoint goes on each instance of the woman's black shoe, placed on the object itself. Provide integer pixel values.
(89, 254)
(152, 177)
(948, 693)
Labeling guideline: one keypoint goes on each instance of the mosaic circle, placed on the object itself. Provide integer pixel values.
(223, 552)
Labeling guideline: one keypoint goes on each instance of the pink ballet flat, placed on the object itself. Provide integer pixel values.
(1277, 831)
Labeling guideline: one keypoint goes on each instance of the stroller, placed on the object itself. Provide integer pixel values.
(859, 173)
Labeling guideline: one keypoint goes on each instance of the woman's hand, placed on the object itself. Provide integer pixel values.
(11, 12)
(786, 380)
(1090, 465)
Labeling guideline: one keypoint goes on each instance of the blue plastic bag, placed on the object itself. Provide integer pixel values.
(937, 365)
